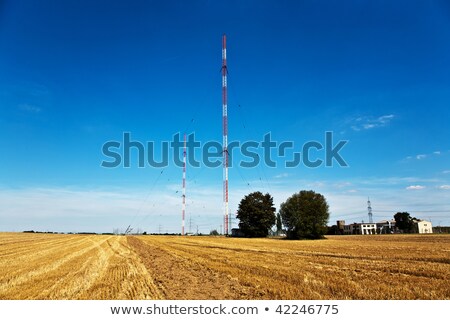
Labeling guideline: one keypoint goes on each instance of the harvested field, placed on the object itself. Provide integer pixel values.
(46, 266)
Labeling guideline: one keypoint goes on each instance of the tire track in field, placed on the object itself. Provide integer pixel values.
(125, 276)
(179, 278)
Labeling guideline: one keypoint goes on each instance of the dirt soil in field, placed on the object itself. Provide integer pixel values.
(178, 278)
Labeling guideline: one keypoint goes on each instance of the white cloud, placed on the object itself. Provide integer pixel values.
(66, 209)
(368, 122)
(384, 119)
(281, 175)
(421, 156)
(344, 184)
(102, 209)
(380, 182)
(416, 187)
(369, 126)
(446, 171)
(315, 184)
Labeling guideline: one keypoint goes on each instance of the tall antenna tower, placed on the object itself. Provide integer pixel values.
(183, 213)
(225, 132)
(369, 209)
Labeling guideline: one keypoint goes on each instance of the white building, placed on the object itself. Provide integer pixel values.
(360, 228)
(423, 226)
(386, 226)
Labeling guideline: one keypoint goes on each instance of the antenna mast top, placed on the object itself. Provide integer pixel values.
(369, 209)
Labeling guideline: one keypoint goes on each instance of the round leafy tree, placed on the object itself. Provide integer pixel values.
(404, 222)
(256, 214)
(305, 215)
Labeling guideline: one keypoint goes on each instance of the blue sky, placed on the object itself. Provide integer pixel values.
(76, 74)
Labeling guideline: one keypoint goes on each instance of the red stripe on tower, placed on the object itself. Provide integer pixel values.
(183, 210)
(225, 133)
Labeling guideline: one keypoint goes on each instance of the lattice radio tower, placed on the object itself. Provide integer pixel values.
(225, 133)
(183, 210)
(369, 209)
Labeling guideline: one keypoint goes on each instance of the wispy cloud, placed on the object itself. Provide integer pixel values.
(368, 122)
(315, 184)
(343, 184)
(421, 156)
(29, 108)
(102, 209)
(446, 171)
(416, 187)
(281, 175)
(392, 181)
(66, 209)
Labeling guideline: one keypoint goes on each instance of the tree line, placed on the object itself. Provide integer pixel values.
(304, 215)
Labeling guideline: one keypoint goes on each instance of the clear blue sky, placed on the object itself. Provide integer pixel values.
(75, 74)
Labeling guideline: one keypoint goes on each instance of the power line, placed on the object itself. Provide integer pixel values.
(147, 197)
(241, 113)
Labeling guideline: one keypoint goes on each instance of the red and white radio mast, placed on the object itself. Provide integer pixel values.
(183, 213)
(225, 132)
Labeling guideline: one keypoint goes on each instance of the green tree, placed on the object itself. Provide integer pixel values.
(279, 224)
(214, 233)
(305, 214)
(404, 222)
(333, 230)
(256, 214)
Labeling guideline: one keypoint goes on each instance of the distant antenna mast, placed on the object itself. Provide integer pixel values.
(183, 213)
(369, 209)
(225, 132)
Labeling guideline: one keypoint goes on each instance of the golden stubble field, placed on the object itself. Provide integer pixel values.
(50, 266)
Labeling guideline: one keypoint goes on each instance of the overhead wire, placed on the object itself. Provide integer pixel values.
(188, 127)
(241, 114)
(147, 197)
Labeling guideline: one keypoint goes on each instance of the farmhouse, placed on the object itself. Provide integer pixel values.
(423, 226)
(381, 227)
